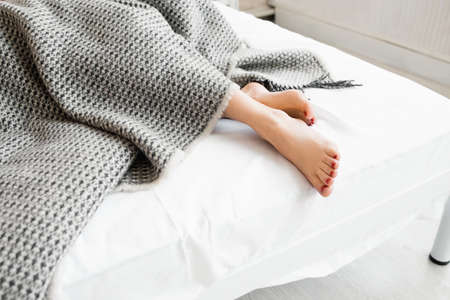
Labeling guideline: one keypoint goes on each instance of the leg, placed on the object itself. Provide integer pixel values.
(312, 154)
(440, 254)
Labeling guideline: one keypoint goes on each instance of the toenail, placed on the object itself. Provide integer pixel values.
(332, 173)
(335, 157)
(333, 165)
(328, 181)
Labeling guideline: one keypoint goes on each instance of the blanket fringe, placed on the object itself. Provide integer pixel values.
(325, 82)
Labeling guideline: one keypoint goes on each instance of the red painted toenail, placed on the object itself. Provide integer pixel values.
(335, 157)
(333, 165)
(328, 181)
(332, 173)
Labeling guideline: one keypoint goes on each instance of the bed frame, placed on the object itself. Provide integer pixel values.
(440, 254)
(397, 210)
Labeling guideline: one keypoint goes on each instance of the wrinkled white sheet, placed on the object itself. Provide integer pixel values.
(234, 201)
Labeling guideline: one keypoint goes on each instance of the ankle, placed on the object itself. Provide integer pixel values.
(266, 121)
(269, 123)
(254, 90)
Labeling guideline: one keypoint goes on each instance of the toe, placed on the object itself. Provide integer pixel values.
(308, 113)
(331, 151)
(333, 163)
(323, 189)
(326, 191)
(305, 111)
(333, 173)
(325, 178)
(316, 182)
(328, 170)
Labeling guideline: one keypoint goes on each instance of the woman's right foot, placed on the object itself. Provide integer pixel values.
(315, 156)
(291, 102)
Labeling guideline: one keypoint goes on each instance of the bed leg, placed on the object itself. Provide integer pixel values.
(440, 254)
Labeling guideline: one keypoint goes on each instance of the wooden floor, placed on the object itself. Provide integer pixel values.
(397, 270)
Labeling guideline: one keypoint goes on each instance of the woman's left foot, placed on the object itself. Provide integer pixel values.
(291, 102)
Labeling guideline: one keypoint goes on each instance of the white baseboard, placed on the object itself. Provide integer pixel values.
(406, 60)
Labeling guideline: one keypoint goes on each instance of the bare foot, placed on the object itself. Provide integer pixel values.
(291, 102)
(315, 156)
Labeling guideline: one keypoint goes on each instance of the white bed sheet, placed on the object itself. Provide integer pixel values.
(234, 201)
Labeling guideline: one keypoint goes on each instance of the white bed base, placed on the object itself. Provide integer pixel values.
(440, 254)
(397, 211)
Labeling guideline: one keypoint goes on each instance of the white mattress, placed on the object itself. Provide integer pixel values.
(235, 215)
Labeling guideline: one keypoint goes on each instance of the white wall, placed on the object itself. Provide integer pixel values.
(412, 35)
(421, 25)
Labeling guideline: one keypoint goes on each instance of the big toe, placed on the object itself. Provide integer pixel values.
(307, 112)
(298, 106)
(326, 191)
(320, 186)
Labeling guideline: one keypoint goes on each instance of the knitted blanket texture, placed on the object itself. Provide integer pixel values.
(94, 93)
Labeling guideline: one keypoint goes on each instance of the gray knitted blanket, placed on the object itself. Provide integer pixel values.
(94, 93)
